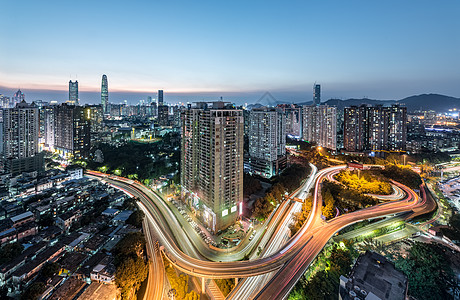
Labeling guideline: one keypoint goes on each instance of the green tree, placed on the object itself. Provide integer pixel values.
(49, 269)
(34, 291)
(136, 218)
(428, 271)
(131, 244)
(10, 251)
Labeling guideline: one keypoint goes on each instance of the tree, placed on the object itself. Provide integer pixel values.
(34, 291)
(10, 251)
(136, 218)
(49, 269)
(46, 220)
(428, 271)
(131, 244)
(130, 274)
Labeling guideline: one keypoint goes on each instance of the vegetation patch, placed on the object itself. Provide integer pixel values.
(131, 268)
(225, 285)
(365, 182)
(321, 281)
(287, 182)
(179, 283)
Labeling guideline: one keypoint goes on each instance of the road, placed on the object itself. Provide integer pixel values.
(289, 262)
(315, 239)
(156, 279)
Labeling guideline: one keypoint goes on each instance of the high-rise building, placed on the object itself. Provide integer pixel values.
(316, 94)
(212, 162)
(4, 101)
(105, 95)
(267, 141)
(20, 139)
(18, 97)
(293, 114)
(96, 116)
(163, 115)
(320, 125)
(72, 131)
(73, 92)
(49, 126)
(160, 98)
(373, 128)
(397, 128)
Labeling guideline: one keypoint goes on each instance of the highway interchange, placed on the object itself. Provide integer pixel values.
(282, 262)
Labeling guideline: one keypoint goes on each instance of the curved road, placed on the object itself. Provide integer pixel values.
(290, 261)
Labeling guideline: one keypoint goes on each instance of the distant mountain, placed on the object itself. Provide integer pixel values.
(436, 102)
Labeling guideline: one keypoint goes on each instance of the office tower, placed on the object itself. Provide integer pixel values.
(73, 92)
(320, 125)
(316, 94)
(18, 97)
(163, 115)
(160, 98)
(267, 141)
(105, 95)
(212, 162)
(72, 131)
(375, 128)
(20, 139)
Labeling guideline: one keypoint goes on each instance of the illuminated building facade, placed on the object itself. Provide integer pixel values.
(320, 125)
(105, 95)
(267, 141)
(72, 136)
(212, 162)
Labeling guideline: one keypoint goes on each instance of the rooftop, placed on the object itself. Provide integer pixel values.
(374, 276)
(22, 216)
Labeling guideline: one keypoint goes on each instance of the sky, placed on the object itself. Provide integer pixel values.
(200, 50)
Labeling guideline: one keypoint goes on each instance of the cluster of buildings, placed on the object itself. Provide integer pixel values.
(69, 129)
(58, 223)
(214, 159)
(433, 131)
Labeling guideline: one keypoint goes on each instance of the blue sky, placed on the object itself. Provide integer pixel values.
(377, 49)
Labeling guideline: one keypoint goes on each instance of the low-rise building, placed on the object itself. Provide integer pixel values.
(22, 219)
(104, 271)
(373, 277)
(65, 220)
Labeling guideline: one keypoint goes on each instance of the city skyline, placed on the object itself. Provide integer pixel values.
(222, 49)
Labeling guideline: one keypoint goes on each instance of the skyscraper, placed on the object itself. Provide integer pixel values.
(72, 130)
(18, 97)
(73, 92)
(105, 95)
(267, 141)
(293, 114)
(374, 128)
(212, 162)
(316, 94)
(20, 138)
(4, 101)
(163, 115)
(320, 125)
(160, 98)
